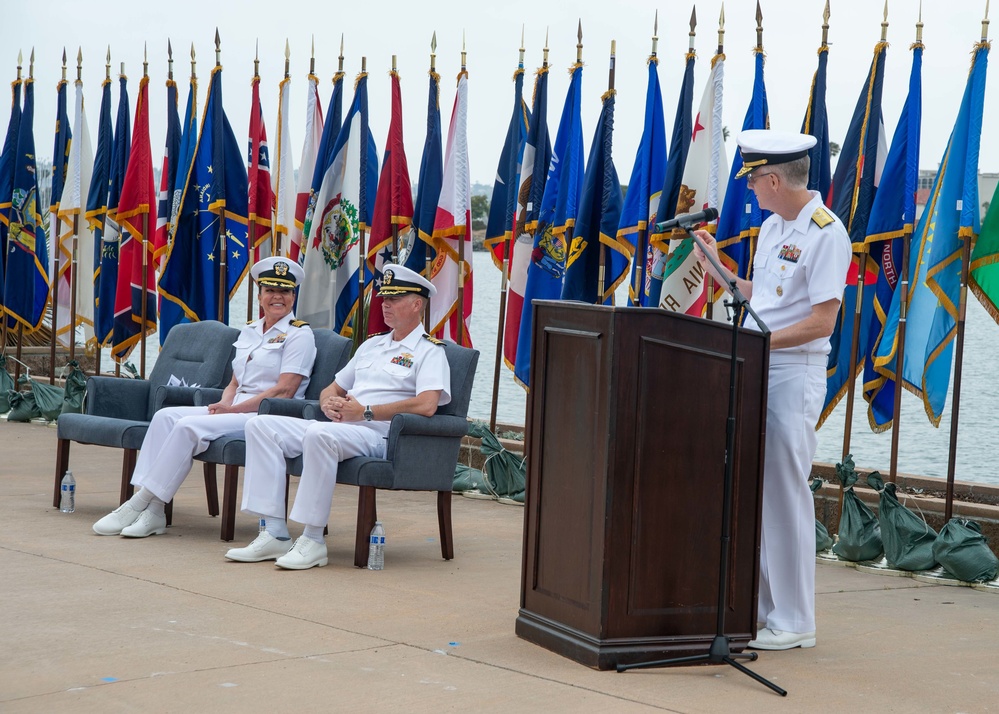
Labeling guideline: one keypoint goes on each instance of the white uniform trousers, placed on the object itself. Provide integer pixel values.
(787, 557)
(323, 445)
(175, 436)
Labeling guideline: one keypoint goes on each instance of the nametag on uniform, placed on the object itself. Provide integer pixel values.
(790, 253)
(405, 359)
(279, 338)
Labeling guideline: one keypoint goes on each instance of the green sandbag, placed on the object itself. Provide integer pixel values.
(908, 540)
(48, 397)
(964, 552)
(505, 471)
(22, 406)
(823, 541)
(468, 479)
(859, 531)
(6, 385)
(76, 387)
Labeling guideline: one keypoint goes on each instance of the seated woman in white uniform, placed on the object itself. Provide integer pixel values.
(274, 357)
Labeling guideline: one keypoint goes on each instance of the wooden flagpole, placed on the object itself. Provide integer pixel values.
(362, 247)
(56, 230)
(251, 223)
(223, 267)
(428, 261)
(460, 308)
(74, 264)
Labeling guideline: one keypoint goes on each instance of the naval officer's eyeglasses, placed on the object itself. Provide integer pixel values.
(753, 175)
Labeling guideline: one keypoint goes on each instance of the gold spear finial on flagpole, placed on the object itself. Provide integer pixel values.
(544, 55)
(169, 60)
(693, 28)
(759, 25)
(919, 24)
(610, 71)
(721, 30)
(218, 48)
(985, 23)
(655, 34)
(825, 25)
(31, 64)
(579, 41)
(20, 60)
(63, 64)
(312, 58)
(107, 65)
(433, 52)
(523, 27)
(256, 60)
(341, 54)
(464, 54)
(145, 60)
(287, 58)
(884, 24)
(79, 64)
(194, 75)
(394, 68)
(122, 72)
(364, 65)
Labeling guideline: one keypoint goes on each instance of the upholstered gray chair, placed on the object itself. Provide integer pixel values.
(332, 353)
(421, 455)
(118, 411)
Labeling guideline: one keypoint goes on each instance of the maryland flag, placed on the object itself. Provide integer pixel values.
(453, 224)
(135, 297)
(260, 195)
(393, 207)
(7, 164)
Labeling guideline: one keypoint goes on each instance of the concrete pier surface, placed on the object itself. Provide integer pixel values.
(166, 624)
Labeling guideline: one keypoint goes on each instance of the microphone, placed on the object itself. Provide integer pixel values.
(686, 220)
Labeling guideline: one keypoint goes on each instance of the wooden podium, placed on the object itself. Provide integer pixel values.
(625, 447)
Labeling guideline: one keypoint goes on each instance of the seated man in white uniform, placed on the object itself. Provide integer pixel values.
(404, 371)
(274, 357)
(799, 272)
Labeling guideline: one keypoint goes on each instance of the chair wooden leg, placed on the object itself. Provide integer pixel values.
(168, 510)
(229, 502)
(444, 521)
(367, 514)
(62, 463)
(127, 468)
(211, 489)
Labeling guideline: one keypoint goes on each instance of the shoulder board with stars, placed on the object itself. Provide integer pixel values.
(378, 334)
(433, 340)
(299, 323)
(822, 217)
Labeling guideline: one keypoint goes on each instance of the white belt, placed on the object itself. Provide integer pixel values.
(809, 358)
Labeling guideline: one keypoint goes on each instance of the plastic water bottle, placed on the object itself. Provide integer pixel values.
(263, 525)
(376, 548)
(67, 499)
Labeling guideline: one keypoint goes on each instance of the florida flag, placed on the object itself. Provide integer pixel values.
(454, 224)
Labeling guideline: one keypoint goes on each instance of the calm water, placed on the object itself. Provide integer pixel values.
(923, 449)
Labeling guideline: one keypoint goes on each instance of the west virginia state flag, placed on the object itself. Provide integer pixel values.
(645, 186)
(419, 249)
(451, 272)
(135, 297)
(26, 287)
(950, 218)
(7, 163)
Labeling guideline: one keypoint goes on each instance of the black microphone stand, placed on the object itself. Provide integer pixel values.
(720, 651)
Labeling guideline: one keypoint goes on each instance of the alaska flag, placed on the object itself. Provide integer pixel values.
(596, 223)
(680, 141)
(171, 313)
(60, 165)
(212, 220)
(26, 289)
(816, 123)
(7, 164)
(97, 202)
(893, 216)
(858, 171)
(503, 205)
(645, 186)
(950, 217)
(135, 297)
(329, 294)
(393, 207)
(557, 216)
(741, 215)
(531, 189)
(420, 248)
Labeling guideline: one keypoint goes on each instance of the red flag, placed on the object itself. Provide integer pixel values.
(260, 205)
(137, 218)
(393, 207)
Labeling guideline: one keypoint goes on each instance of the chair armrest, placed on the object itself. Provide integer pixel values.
(118, 397)
(286, 407)
(166, 396)
(203, 396)
(312, 411)
(438, 425)
(424, 450)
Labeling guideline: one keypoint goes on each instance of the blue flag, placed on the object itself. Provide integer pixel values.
(181, 140)
(816, 123)
(893, 216)
(503, 204)
(741, 215)
(683, 126)
(645, 187)
(97, 203)
(60, 154)
(596, 224)
(7, 164)
(26, 288)
(211, 229)
(428, 191)
(556, 219)
(950, 217)
(851, 197)
(331, 128)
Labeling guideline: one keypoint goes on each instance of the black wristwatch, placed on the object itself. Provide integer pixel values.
(368, 414)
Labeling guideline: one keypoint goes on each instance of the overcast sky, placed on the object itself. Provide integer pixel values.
(380, 28)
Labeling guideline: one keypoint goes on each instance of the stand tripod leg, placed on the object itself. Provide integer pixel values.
(745, 670)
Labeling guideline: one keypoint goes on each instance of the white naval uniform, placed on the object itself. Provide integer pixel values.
(382, 371)
(798, 264)
(177, 434)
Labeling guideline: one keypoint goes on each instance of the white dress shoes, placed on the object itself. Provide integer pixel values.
(770, 639)
(147, 524)
(305, 554)
(264, 547)
(121, 517)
